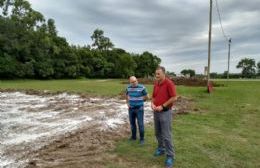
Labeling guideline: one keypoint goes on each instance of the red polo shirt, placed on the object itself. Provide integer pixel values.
(163, 92)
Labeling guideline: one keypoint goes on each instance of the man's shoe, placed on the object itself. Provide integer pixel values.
(169, 162)
(159, 152)
(141, 142)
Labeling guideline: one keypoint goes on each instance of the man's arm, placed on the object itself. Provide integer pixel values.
(165, 105)
(146, 97)
(152, 105)
(127, 98)
(170, 101)
(145, 94)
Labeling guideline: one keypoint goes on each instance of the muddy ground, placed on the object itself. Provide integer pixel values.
(45, 130)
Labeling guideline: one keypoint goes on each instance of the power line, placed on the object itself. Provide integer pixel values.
(219, 17)
(225, 36)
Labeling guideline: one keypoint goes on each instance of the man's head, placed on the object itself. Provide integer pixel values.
(133, 81)
(160, 73)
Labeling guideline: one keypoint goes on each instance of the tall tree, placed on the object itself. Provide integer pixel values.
(4, 4)
(101, 42)
(248, 67)
(51, 27)
(22, 13)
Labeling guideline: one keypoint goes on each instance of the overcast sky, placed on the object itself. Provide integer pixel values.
(174, 30)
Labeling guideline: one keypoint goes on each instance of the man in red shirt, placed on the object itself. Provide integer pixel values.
(164, 94)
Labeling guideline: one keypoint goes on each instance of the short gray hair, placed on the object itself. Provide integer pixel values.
(161, 68)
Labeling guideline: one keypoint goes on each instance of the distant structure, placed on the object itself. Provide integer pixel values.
(205, 71)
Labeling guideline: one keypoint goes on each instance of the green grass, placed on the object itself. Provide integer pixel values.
(108, 87)
(100, 87)
(224, 133)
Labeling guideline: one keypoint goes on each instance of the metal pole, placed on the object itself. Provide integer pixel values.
(229, 43)
(209, 44)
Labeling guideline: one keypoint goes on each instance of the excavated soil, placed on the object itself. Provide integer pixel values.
(64, 130)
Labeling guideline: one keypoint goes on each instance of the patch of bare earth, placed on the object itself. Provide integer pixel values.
(42, 129)
(90, 147)
(87, 147)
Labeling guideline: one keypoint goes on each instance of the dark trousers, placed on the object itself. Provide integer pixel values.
(137, 113)
(163, 131)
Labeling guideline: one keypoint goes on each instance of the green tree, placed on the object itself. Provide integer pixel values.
(7, 66)
(214, 75)
(44, 69)
(189, 72)
(126, 66)
(123, 63)
(171, 74)
(22, 13)
(51, 27)
(258, 68)
(4, 4)
(225, 74)
(248, 67)
(31, 48)
(146, 64)
(98, 63)
(101, 42)
(84, 56)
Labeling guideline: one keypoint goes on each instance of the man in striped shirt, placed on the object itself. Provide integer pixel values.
(136, 94)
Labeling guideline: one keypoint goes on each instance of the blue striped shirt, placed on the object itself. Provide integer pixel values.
(136, 95)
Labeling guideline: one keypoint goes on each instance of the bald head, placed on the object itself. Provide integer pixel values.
(132, 78)
(133, 81)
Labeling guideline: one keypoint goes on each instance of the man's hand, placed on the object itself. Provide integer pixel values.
(158, 108)
(153, 106)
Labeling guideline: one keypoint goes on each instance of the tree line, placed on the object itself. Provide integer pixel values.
(31, 48)
(250, 69)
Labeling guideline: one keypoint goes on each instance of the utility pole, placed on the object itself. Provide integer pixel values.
(229, 43)
(209, 44)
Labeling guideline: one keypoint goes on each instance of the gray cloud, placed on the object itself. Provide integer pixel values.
(174, 30)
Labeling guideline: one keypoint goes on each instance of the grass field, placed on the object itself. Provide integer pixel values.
(223, 133)
(110, 87)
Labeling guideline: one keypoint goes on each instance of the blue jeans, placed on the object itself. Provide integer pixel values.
(137, 113)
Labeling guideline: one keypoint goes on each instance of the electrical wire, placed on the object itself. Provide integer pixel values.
(220, 21)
